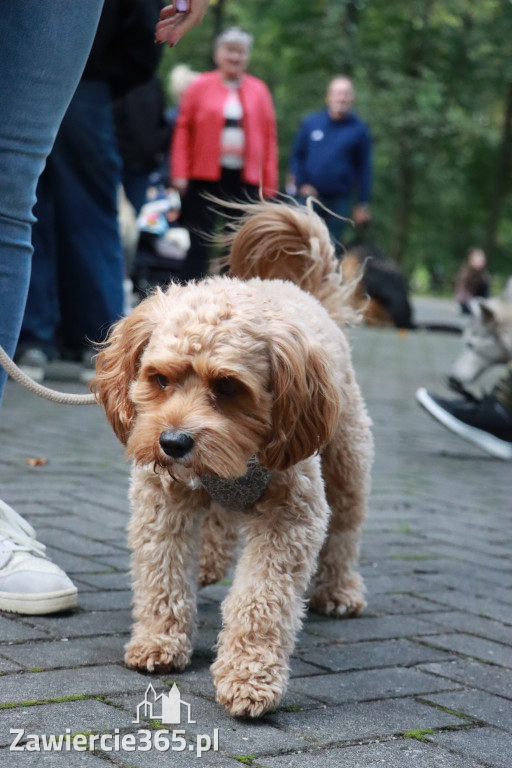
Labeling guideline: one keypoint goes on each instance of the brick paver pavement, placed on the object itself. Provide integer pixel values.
(421, 679)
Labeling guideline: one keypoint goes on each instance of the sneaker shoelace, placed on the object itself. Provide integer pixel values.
(20, 534)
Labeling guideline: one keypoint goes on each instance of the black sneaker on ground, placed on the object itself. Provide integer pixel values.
(484, 423)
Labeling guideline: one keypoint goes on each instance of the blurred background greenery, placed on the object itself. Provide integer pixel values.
(434, 82)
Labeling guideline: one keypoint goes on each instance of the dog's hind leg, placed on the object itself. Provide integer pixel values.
(338, 588)
(219, 537)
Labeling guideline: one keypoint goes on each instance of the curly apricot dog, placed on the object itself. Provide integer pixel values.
(236, 399)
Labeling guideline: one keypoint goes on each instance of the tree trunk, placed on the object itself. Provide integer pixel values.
(218, 17)
(501, 178)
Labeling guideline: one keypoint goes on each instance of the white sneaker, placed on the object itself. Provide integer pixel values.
(33, 362)
(29, 582)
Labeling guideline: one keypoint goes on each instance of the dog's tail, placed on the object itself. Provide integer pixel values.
(276, 240)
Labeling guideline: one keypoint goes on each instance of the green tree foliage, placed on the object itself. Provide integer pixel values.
(433, 81)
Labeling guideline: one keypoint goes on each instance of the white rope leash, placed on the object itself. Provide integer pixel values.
(65, 398)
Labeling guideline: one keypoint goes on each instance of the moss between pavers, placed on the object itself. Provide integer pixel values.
(245, 759)
(419, 734)
(35, 702)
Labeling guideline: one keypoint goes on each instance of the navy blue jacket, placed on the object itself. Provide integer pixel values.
(334, 156)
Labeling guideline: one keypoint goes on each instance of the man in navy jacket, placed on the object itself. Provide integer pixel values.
(331, 159)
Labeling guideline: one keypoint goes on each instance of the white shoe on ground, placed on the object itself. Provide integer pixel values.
(29, 582)
(33, 362)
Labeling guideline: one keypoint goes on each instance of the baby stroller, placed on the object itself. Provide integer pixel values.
(163, 243)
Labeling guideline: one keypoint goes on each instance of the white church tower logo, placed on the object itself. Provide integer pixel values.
(165, 707)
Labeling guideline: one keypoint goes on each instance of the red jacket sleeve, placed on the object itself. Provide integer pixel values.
(270, 174)
(182, 140)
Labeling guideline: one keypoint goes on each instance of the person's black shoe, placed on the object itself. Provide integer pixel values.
(484, 423)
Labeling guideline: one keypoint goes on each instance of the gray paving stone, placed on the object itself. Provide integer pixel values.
(116, 520)
(14, 629)
(476, 647)
(108, 581)
(115, 600)
(78, 716)
(393, 754)
(95, 681)
(481, 606)
(73, 653)
(475, 675)
(490, 746)
(70, 759)
(187, 758)
(364, 720)
(368, 655)
(7, 665)
(475, 625)
(369, 684)
(71, 542)
(380, 628)
(83, 624)
(81, 526)
(485, 707)
(299, 668)
(385, 605)
(462, 581)
(72, 563)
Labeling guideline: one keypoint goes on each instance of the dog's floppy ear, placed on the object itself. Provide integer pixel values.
(306, 399)
(118, 362)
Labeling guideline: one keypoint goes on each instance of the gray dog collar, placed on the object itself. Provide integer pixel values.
(238, 493)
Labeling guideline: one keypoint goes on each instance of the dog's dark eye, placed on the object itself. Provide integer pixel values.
(226, 388)
(161, 380)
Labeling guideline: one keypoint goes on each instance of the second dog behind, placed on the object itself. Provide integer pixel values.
(236, 400)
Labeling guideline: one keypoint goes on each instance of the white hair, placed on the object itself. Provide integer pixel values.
(234, 35)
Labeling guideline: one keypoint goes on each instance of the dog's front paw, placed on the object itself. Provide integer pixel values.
(158, 653)
(345, 598)
(247, 686)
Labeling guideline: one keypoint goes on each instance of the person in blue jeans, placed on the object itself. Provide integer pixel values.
(76, 289)
(44, 46)
(331, 160)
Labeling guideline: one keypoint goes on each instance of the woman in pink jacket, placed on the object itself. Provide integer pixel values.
(224, 143)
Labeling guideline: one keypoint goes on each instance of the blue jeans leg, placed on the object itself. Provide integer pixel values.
(42, 314)
(43, 49)
(77, 247)
(87, 174)
(337, 205)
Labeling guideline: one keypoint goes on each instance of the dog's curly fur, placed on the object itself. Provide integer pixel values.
(243, 367)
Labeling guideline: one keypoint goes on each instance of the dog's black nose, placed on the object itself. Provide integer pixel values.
(176, 444)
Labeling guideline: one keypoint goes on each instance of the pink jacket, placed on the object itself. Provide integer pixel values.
(196, 140)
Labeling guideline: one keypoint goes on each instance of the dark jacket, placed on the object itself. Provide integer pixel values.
(124, 52)
(334, 156)
(142, 128)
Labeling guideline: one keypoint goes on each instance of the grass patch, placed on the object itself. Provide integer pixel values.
(245, 759)
(420, 734)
